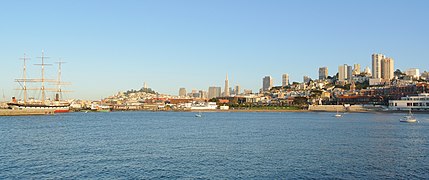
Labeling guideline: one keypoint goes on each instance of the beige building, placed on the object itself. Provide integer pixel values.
(182, 92)
(413, 72)
(323, 73)
(387, 69)
(285, 80)
(376, 65)
(214, 92)
(345, 73)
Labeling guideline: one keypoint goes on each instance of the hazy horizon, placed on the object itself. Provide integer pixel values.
(112, 46)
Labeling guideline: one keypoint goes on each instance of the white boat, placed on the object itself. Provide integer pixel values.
(408, 118)
(338, 114)
(198, 115)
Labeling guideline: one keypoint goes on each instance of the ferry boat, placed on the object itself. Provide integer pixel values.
(418, 102)
(57, 105)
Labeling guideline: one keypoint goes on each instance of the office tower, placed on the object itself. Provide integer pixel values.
(267, 83)
(376, 65)
(342, 73)
(349, 74)
(387, 68)
(356, 69)
(226, 91)
(237, 90)
(182, 92)
(214, 92)
(285, 80)
(323, 73)
(203, 94)
(306, 79)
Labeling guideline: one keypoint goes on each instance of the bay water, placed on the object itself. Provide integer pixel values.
(219, 145)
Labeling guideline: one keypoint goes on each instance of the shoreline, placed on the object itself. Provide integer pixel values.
(280, 110)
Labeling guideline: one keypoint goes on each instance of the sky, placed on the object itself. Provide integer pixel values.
(112, 46)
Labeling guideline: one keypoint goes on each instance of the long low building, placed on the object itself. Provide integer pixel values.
(418, 102)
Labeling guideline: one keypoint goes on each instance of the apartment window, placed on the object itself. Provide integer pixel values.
(396, 104)
(415, 104)
(408, 104)
(427, 104)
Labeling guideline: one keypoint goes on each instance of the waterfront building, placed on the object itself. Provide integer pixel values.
(412, 102)
(323, 73)
(387, 69)
(182, 92)
(413, 72)
(267, 83)
(214, 92)
(285, 80)
(226, 91)
(356, 69)
(376, 65)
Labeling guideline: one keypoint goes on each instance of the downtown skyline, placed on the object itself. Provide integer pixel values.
(117, 46)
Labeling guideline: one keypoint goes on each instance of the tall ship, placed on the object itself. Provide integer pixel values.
(30, 103)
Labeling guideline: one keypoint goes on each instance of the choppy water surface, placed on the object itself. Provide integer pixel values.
(159, 145)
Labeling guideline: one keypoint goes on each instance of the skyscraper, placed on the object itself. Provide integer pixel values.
(349, 74)
(345, 73)
(237, 90)
(214, 92)
(376, 65)
(285, 80)
(182, 92)
(226, 91)
(342, 73)
(387, 69)
(267, 83)
(323, 73)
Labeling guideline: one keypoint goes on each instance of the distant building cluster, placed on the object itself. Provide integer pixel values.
(350, 85)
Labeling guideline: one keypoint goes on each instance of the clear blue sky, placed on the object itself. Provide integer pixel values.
(118, 45)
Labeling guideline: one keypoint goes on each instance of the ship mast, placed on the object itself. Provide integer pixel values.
(24, 76)
(58, 94)
(43, 76)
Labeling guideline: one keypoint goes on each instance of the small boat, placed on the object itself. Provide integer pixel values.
(338, 114)
(198, 115)
(408, 118)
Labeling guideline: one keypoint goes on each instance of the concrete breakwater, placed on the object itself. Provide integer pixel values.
(24, 112)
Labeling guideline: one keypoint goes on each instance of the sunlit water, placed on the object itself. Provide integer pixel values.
(161, 145)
